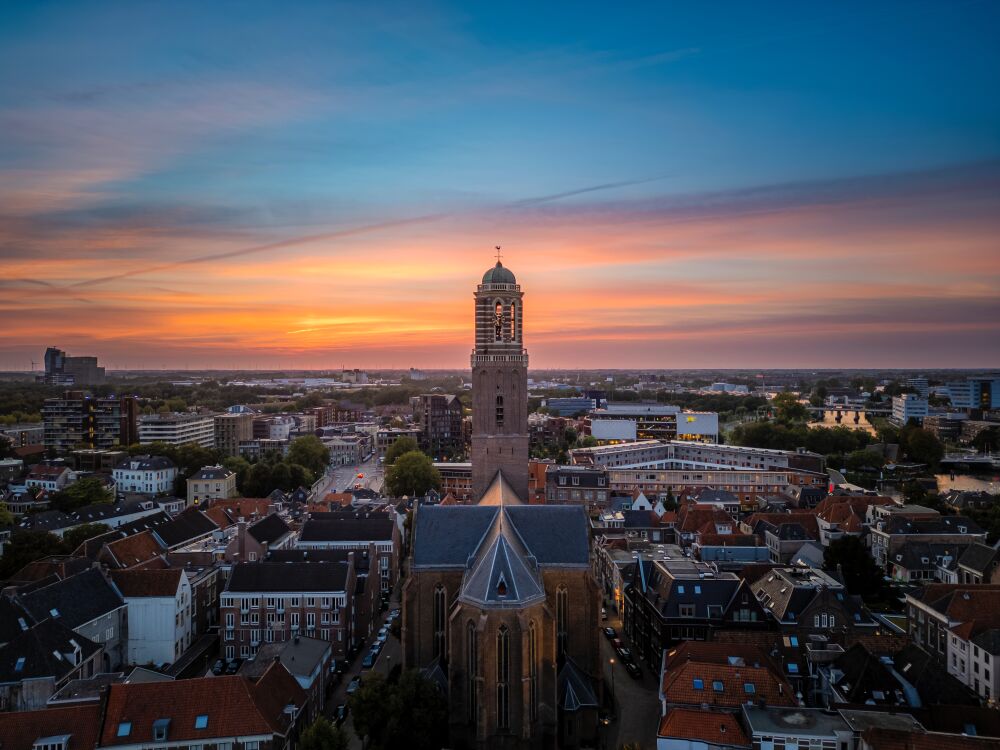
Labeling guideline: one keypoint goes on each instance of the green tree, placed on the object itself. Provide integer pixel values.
(309, 451)
(987, 440)
(6, 517)
(27, 546)
(322, 735)
(79, 534)
(412, 474)
(240, 467)
(861, 575)
(398, 448)
(86, 491)
(787, 408)
(408, 711)
(369, 709)
(923, 446)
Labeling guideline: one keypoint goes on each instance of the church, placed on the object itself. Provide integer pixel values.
(500, 605)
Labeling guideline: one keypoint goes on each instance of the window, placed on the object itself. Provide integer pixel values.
(471, 670)
(201, 721)
(440, 620)
(160, 727)
(503, 678)
(749, 688)
(717, 686)
(513, 321)
(125, 729)
(562, 609)
(793, 668)
(698, 683)
(499, 411)
(686, 610)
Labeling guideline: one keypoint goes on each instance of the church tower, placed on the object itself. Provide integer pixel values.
(499, 385)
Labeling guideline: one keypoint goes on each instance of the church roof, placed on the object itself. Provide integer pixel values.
(499, 492)
(575, 688)
(502, 573)
(499, 275)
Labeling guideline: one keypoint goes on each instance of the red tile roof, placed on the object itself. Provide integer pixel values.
(145, 582)
(18, 731)
(713, 727)
(712, 652)
(227, 512)
(234, 706)
(134, 549)
(679, 685)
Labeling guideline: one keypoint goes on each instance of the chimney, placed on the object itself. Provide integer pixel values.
(241, 537)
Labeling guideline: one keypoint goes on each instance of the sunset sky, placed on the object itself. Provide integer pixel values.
(250, 184)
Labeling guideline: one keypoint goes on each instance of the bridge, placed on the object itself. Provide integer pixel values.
(971, 459)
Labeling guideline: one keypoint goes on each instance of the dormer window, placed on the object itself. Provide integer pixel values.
(160, 727)
(502, 586)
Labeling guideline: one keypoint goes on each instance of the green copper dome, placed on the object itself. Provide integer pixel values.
(499, 275)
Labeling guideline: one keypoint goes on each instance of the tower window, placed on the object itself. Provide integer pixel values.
(562, 610)
(499, 413)
(533, 670)
(498, 321)
(472, 670)
(440, 621)
(503, 678)
(513, 321)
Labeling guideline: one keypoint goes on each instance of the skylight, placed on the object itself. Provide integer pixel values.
(793, 668)
(20, 664)
(749, 688)
(698, 684)
(125, 729)
(201, 721)
(717, 686)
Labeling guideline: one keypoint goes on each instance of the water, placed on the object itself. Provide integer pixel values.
(975, 483)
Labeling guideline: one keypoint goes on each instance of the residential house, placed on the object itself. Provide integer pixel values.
(810, 601)
(210, 483)
(700, 729)
(776, 726)
(149, 475)
(58, 728)
(159, 613)
(978, 564)
(48, 478)
(357, 531)
(308, 660)
(251, 543)
(890, 534)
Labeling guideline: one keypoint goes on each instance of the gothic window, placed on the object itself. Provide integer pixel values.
(562, 610)
(503, 678)
(499, 414)
(440, 621)
(498, 321)
(472, 669)
(533, 670)
(513, 321)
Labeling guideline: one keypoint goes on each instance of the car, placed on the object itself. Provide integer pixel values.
(394, 613)
(340, 714)
(219, 667)
(381, 638)
(233, 667)
(610, 633)
(377, 647)
(369, 661)
(353, 685)
(632, 668)
(617, 645)
(625, 654)
(604, 613)
(383, 631)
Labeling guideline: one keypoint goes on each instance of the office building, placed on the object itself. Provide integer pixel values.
(908, 406)
(628, 422)
(61, 369)
(79, 420)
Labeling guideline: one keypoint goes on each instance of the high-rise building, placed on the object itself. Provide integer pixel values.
(78, 420)
(440, 419)
(61, 369)
(231, 429)
(499, 385)
(178, 429)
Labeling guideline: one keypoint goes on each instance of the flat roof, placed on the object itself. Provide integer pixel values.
(814, 722)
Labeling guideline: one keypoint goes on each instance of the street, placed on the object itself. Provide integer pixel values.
(343, 478)
(637, 699)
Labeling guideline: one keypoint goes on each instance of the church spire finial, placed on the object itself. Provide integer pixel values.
(498, 253)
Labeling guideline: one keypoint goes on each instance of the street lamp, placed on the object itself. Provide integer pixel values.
(614, 708)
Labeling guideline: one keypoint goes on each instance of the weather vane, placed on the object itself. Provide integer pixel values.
(498, 253)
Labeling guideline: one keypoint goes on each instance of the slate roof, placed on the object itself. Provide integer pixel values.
(211, 472)
(47, 520)
(936, 525)
(144, 463)
(269, 529)
(288, 577)
(186, 527)
(863, 678)
(373, 528)
(931, 679)
(989, 641)
(711, 727)
(503, 573)
(667, 593)
(447, 536)
(39, 646)
(12, 615)
(77, 600)
(912, 555)
(576, 690)
(98, 512)
(959, 602)
(82, 724)
(312, 555)
(979, 557)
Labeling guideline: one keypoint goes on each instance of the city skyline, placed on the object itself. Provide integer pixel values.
(191, 187)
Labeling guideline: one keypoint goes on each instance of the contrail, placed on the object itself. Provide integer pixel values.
(342, 233)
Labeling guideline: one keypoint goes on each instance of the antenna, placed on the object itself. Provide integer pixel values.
(33, 363)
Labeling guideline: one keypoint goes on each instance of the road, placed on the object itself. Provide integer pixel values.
(343, 478)
(637, 701)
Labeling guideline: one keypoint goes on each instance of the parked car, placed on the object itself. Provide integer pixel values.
(617, 645)
(369, 661)
(219, 667)
(340, 714)
(383, 632)
(233, 667)
(610, 633)
(633, 669)
(625, 654)
(394, 613)
(604, 613)
(353, 685)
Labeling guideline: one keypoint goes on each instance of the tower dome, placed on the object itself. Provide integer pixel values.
(499, 275)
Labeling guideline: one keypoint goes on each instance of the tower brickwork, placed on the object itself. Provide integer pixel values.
(499, 385)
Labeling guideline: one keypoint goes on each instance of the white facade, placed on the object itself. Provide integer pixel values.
(132, 478)
(974, 666)
(159, 627)
(908, 406)
(178, 429)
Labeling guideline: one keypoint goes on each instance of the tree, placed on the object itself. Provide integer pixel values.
(322, 735)
(861, 575)
(369, 708)
(6, 517)
(923, 446)
(412, 474)
(309, 451)
(398, 448)
(787, 408)
(987, 440)
(27, 546)
(79, 534)
(86, 491)
(408, 711)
